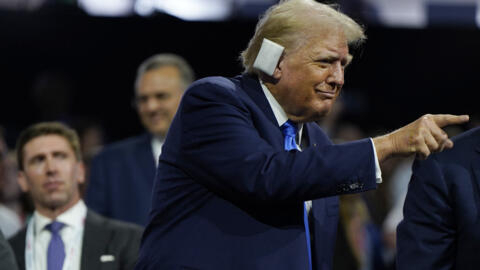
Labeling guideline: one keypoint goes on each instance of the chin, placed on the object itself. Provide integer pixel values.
(56, 203)
(320, 114)
(157, 132)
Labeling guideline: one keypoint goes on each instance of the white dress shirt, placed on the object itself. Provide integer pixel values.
(71, 233)
(157, 144)
(282, 117)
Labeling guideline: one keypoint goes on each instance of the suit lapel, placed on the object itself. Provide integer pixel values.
(19, 248)
(308, 136)
(144, 159)
(314, 136)
(312, 140)
(95, 238)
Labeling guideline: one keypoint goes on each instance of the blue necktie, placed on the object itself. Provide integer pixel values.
(56, 249)
(289, 130)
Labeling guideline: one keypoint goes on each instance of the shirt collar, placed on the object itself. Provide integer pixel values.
(278, 112)
(156, 144)
(73, 217)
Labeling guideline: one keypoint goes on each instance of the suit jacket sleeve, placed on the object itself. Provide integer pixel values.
(222, 148)
(426, 235)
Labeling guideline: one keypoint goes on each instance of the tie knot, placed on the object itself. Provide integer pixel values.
(289, 128)
(55, 227)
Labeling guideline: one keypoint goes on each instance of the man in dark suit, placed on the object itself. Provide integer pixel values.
(246, 179)
(63, 233)
(121, 176)
(440, 228)
(7, 259)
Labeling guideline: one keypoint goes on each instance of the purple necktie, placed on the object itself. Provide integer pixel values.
(289, 130)
(56, 249)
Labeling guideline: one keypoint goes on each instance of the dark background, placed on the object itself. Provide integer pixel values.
(397, 76)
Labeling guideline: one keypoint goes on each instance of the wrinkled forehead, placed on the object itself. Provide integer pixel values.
(325, 42)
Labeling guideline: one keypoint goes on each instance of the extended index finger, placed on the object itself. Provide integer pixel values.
(449, 119)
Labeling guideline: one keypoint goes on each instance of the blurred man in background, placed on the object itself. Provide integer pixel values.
(62, 231)
(121, 176)
(10, 205)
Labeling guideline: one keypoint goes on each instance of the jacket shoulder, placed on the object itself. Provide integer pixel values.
(126, 145)
(216, 81)
(109, 224)
(464, 146)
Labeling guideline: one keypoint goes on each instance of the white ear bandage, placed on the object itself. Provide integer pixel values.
(268, 56)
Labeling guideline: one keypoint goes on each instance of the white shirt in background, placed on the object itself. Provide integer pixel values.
(71, 233)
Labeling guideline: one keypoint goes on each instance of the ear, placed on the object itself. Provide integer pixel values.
(22, 181)
(80, 172)
(277, 73)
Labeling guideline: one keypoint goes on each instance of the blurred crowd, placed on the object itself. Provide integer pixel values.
(368, 221)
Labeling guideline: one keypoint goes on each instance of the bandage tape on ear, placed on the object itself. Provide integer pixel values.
(268, 56)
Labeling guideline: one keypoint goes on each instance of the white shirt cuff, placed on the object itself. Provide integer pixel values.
(378, 172)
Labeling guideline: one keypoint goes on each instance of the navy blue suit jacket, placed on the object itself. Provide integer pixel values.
(228, 196)
(441, 225)
(121, 180)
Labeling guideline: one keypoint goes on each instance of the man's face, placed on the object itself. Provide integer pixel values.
(311, 77)
(158, 94)
(51, 172)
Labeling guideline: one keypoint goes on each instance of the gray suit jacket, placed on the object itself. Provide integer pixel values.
(102, 236)
(7, 258)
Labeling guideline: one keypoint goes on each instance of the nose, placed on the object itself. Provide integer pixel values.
(152, 104)
(336, 74)
(51, 166)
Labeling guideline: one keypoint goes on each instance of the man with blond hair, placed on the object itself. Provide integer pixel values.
(246, 179)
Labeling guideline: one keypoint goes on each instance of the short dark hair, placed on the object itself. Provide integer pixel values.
(47, 128)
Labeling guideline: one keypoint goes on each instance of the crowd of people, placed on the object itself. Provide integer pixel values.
(253, 172)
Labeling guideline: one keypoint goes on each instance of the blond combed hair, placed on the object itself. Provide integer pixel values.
(290, 22)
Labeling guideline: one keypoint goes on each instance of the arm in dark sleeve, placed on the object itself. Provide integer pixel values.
(426, 236)
(225, 151)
